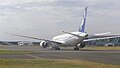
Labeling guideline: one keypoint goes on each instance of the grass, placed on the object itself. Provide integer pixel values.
(101, 48)
(47, 63)
(14, 52)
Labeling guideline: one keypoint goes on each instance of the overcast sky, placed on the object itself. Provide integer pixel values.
(47, 18)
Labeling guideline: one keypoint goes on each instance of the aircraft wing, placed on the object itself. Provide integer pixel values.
(102, 36)
(35, 38)
(95, 37)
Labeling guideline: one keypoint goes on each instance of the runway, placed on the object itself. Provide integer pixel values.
(108, 57)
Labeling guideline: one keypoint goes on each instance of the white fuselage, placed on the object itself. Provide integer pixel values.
(71, 40)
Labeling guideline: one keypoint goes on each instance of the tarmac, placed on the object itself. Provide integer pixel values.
(107, 57)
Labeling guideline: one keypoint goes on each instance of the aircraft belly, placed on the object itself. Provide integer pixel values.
(73, 42)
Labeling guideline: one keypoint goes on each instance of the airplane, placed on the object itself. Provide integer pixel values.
(75, 39)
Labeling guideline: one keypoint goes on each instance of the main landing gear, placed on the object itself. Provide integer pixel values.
(76, 48)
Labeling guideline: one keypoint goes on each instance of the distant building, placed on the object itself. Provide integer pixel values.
(102, 42)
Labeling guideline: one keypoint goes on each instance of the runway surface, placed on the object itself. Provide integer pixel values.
(109, 57)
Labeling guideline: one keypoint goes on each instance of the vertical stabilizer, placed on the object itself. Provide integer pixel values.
(82, 26)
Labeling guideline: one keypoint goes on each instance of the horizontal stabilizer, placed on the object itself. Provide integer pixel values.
(72, 34)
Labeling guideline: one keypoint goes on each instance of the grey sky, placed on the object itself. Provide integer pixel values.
(47, 18)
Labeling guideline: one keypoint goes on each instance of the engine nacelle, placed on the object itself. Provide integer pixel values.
(81, 45)
(43, 44)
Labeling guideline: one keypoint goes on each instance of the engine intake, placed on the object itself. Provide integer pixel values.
(81, 45)
(43, 44)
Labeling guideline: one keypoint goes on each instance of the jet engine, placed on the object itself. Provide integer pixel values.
(81, 45)
(43, 44)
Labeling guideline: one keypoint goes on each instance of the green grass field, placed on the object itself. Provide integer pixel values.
(45, 63)
(101, 48)
(14, 52)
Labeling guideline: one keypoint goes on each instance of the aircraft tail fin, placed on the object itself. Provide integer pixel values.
(82, 26)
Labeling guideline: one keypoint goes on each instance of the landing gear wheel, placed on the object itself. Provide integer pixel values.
(76, 48)
(57, 48)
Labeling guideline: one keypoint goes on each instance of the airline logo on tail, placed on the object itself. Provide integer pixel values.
(82, 26)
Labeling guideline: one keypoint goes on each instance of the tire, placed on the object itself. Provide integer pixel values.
(76, 48)
(57, 48)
